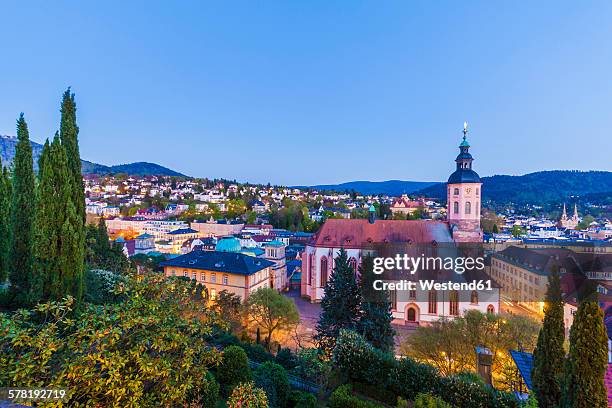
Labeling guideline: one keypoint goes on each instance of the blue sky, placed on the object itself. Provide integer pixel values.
(312, 92)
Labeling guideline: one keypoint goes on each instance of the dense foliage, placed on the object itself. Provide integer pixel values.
(24, 282)
(246, 395)
(272, 378)
(588, 359)
(375, 318)
(5, 205)
(271, 312)
(340, 306)
(234, 369)
(549, 354)
(363, 364)
(147, 351)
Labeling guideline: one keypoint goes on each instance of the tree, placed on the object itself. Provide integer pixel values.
(549, 355)
(375, 319)
(588, 358)
(340, 306)
(69, 133)
(272, 378)
(5, 210)
(234, 369)
(271, 312)
(246, 395)
(25, 285)
(144, 352)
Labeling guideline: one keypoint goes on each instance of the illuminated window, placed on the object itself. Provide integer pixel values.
(323, 272)
(454, 303)
(225, 279)
(213, 294)
(213, 278)
(185, 273)
(433, 302)
(490, 309)
(194, 275)
(203, 277)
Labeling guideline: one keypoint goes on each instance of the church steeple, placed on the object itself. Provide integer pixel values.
(464, 159)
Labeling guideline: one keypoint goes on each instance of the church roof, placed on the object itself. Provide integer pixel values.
(464, 176)
(359, 233)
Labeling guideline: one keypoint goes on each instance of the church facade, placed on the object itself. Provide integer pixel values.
(357, 237)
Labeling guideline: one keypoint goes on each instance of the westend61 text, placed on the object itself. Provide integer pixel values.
(404, 285)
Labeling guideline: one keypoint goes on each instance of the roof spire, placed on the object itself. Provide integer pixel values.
(465, 143)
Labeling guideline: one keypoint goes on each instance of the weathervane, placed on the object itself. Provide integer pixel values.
(465, 125)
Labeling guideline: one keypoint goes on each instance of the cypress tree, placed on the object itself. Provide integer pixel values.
(549, 355)
(73, 252)
(376, 317)
(25, 285)
(588, 358)
(5, 205)
(57, 253)
(69, 135)
(340, 304)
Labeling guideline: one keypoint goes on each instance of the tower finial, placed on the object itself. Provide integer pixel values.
(465, 130)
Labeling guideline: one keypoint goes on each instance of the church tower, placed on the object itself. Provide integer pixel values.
(464, 197)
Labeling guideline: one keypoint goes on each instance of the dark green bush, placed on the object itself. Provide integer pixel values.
(299, 399)
(234, 369)
(210, 392)
(272, 378)
(257, 352)
(408, 378)
(343, 397)
(429, 401)
(287, 359)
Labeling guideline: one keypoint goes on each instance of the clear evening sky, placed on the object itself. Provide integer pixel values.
(306, 92)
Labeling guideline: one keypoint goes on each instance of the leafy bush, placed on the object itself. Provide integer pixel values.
(408, 378)
(357, 359)
(246, 395)
(143, 350)
(299, 399)
(234, 369)
(286, 358)
(272, 378)
(464, 392)
(429, 401)
(311, 367)
(257, 352)
(209, 392)
(100, 286)
(343, 397)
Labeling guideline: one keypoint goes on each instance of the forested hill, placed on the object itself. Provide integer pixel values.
(537, 188)
(7, 152)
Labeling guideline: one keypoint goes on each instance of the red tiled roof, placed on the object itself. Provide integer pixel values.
(359, 233)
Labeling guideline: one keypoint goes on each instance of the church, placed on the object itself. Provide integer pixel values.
(357, 236)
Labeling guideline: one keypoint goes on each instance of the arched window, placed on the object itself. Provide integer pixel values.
(468, 207)
(323, 271)
(411, 314)
(474, 298)
(433, 302)
(490, 309)
(353, 264)
(456, 207)
(454, 303)
(311, 262)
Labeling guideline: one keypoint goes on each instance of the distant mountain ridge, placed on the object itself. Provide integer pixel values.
(536, 188)
(389, 187)
(7, 152)
(533, 188)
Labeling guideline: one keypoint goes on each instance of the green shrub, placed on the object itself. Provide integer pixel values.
(464, 392)
(234, 369)
(272, 378)
(100, 286)
(257, 352)
(246, 395)
(299, 399)
(311, 367)
(209, 392)
(343, 397)
(408, 378)
(360, 361)
(287, 359)
(429, 401)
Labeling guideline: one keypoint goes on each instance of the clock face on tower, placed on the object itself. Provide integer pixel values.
(468, 190)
